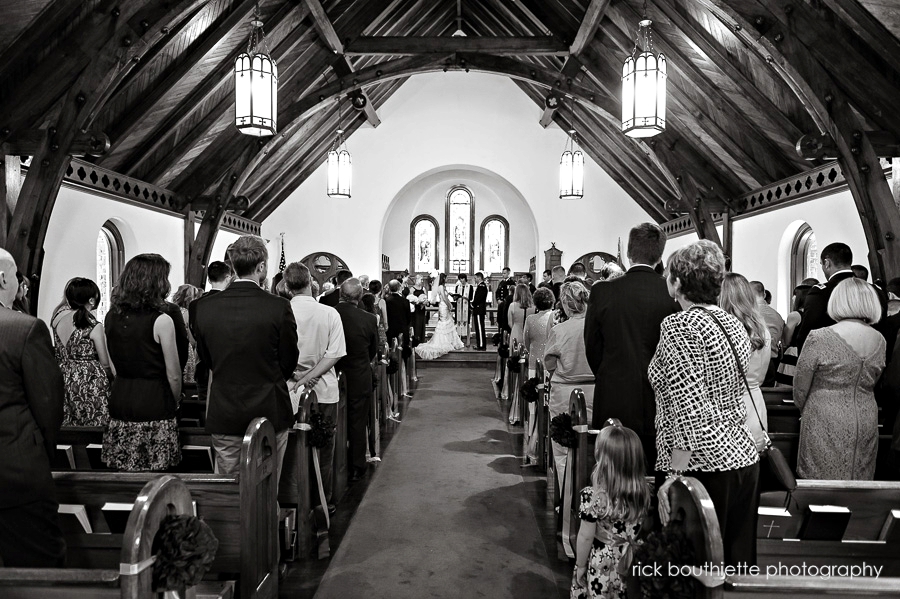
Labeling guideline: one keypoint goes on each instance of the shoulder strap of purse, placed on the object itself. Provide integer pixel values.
(737, 362)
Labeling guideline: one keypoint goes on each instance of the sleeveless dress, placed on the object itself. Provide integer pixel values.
(517, 318)
(833, 387)
(445, 338)
(87, 388)
(142, 433)
(610, 554)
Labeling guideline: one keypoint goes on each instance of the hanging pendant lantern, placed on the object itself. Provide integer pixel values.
(340, 168)
(644, 87)
(571, 170)
(256, 86)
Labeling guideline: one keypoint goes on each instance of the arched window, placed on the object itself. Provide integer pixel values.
(110, 261)
(494, 243)
(460, 229)
(805, 256)
(423, 248)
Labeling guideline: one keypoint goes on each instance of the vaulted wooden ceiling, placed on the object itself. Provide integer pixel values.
(155, 78)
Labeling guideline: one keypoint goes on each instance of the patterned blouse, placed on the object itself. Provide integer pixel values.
(699, 391)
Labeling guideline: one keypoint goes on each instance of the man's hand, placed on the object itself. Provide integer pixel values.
(663, 496)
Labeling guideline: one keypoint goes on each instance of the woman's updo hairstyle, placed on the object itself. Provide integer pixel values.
(79, 293)
(700, 267)
(573, 297)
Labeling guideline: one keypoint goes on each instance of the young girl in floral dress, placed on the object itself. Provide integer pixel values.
(611, 512)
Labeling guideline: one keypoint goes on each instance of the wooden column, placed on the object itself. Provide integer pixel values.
(190, 229)
(697, 208)
(10, 186)
(201, 249)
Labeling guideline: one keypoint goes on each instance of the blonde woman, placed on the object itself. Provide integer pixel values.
(833, 387)
(737, 298)
(519, 310)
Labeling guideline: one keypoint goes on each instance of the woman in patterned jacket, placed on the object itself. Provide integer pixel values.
(700, 420)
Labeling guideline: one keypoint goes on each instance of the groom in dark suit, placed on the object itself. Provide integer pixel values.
(249, 339)
(621, 331)
(398, 314)
(31, 412)
(479, 309)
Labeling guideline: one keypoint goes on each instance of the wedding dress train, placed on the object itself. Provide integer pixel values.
(445, 338)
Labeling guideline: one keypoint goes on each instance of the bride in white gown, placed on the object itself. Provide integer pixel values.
(445, 338)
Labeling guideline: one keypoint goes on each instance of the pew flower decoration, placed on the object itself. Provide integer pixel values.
(321, 432)
(185, 548)
(513, 364)
(529, 389)
(669, 546)
(561, 430)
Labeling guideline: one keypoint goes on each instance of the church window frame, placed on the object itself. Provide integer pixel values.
(435, 261)
(452, 265)
(804, 256)
(110, 260)
(504, 260)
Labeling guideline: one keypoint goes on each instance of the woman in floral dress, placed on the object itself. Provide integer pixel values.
(82, 355)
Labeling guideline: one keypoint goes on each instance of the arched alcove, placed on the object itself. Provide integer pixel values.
(425, 197)
(593, 261)
(323, 265)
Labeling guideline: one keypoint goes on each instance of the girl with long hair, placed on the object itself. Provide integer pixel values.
(80, 347)
(183, 298)
(611, 511)
(142, 432)
(737, 298)
(519, 310)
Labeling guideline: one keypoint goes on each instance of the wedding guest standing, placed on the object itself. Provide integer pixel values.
(565, 359)
(739, 298)
(249, 339)
(479, 309)
(31, 411)
(621, 331)
(82, 356)
(183, 298)
(836, 261)
(398, 314)
(142, 432)
(503, 298)
(696, 375)
(332, 296)
(219, 275)
(521, 308)
(537, 326)
(833, 387)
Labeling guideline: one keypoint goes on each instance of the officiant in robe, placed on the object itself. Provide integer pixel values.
(462, 296)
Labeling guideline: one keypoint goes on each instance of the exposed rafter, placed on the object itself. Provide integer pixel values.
(401, 46)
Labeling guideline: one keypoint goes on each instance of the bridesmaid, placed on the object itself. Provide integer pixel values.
(82, 355)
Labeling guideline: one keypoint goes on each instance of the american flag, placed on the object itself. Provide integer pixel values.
(282, 264)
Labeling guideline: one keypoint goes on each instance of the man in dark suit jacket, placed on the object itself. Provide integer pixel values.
(836, 260)
(361, 337)
(479, 309)
(249, 339)
(503, 297)
(31, 412)
(621, 331)
(219, 276)
(398, 314)
(334, 296)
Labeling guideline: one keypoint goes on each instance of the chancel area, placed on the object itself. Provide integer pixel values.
(449, 298)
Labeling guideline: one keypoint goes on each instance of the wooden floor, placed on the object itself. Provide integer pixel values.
(304, 577)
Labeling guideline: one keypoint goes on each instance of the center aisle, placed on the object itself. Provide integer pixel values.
(447, 513)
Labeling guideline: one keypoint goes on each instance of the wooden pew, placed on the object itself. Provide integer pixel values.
(241, 509)
(511, 386)
(122, 576)
(412, 372)
(690, 502)
(543, 417)
(578, 468)
(341, 462)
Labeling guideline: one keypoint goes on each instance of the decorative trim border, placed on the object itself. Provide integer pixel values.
(90, 176)
(803, 187)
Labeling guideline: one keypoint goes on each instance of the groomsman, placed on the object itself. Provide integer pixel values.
(479, 309)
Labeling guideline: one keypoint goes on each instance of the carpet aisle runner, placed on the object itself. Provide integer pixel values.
(446, 514)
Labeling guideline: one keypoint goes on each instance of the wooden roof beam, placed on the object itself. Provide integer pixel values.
(28, 142)
(592, 17)
(504, 46)
(126, 124)
(211, 84)
(867, 27)
(324, 27)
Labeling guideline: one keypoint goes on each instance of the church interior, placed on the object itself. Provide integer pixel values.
(444, 137)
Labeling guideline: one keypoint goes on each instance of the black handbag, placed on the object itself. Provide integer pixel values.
(776, 461)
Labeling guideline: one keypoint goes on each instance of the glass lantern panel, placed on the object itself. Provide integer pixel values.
(578, 174)
(345, 173)
(332, 172)
(565, 174)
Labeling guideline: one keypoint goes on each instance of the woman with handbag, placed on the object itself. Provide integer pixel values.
(737, 298)
(697, 375)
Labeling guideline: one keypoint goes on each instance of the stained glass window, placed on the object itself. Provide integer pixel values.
(805, 256)
(423, 251)
(495, 244)
(459, 225)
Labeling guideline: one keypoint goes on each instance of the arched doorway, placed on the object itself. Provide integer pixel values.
(594, 261)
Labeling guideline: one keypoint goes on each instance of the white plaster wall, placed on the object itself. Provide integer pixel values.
(762, 243)
(71, 244)
(442, 120)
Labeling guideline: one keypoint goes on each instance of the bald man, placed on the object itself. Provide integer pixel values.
(361, 337)
(31, 412)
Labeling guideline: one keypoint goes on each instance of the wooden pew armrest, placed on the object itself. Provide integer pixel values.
(814, 585)
(57, 576)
